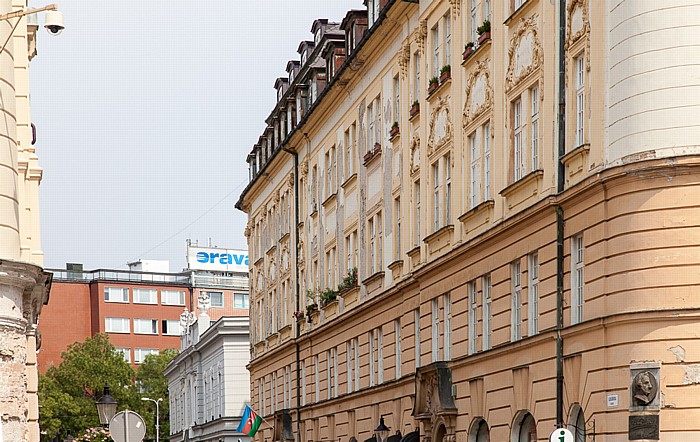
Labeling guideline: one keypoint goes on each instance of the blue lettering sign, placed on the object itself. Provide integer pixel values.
(223, 258)
(202, 257)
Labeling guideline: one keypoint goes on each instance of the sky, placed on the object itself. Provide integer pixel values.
(145, 112)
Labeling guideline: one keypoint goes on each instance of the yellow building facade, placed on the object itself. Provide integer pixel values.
(476, 221)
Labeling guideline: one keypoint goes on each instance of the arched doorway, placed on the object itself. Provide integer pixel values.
(479, 431)
(577, 423)
(524, 428)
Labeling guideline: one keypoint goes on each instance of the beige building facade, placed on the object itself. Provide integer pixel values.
(24, 285)
(478, 220)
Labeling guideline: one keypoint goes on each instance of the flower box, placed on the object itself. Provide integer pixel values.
(394, 131)
(377, 148)
(445, 76)
(368, 156)
(415, 110)
(468, 51)
(485, 36)
(433, 87)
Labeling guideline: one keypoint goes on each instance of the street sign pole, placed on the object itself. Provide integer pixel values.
(127, 426)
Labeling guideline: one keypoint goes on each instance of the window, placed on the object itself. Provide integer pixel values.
(117, 325)
(330, 172)
(579, 429)
(372, 242)
(331, 268)
(332, 370)
(397, 98)
(347, 169)
(145, 296)
(146, 326)
(416, 76)
(436, 196)
(216, 298)
(435, 32)
(378, 136)
(397, 347)
(487, 9)
(316, 380)
(448, 38)
(370, 341)
(351, 250)
(380, 356)
(519, 3)
(116, 294)
(479, 432)
(125, 351)
(370, 126)
(533, 270)
(472, 21)
(350, 364)
(435, 331)
(374, 227)
(448, 189)
(486, 312)
(487, 161)
(240, 300)
(577, 281)
(526, 430)
(141, 353)
(172, 297)
(416, 333)
(447, 327)
(397, 241)
(580, 100)
(416, 224)
(474, 190)
(471, 289)
(170, 327)
(515, 316)
(534, 127)
(518, 162)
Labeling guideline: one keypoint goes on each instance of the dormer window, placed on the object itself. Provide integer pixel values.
(303, 57)
(373, 7)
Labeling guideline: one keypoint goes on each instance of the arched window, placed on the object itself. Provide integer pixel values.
(479, 431)
(524, 428)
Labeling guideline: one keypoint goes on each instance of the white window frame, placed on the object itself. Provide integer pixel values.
(150, 294)
(534, 127)
(125, 325)
(435, 329)
(167, 295)
(245, 300)
(123, 298)
(577, 278)
(518, 140)
(472, 21)
(473, 171)
(435, 33)
(516, 303)
(303, 382)
(380, 356)
(486, 131)
(447, 31)
(436, 196)
(416, 333)
(371, 352)
(316, 379)
(141, 353)
(416, 76)
(446, 164)
(211, 298)
(125, 351)
(533, 270)
(471, 293)
(416, 194)
(447, 327)
(397, 214)
(486, 312)
(350, 364)
(141, 324)
(397, 348)
(172, 327)
(579, 65)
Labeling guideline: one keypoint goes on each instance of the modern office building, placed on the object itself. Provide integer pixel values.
(208, 381)
(24, 285)
(516, 185)
(139, 310)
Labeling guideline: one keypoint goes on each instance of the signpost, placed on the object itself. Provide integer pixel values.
(561, 435)
(127, 426)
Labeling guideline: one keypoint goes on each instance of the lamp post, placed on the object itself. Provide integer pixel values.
(106, 407)
(157, 415)
(382, 431)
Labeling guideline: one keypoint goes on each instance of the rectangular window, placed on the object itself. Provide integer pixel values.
(370, 126)
(447, 328)
(356, 345)
(171, 327)
(117, 325)
(125, 351)
(436, 196)
(580, 100)
(436, 50)
(487, 9)
(380, 242)
(145, 296)
(116, 294)
(350, 364)
(577, 281)
(515, 315)
(533, 270)
(397, 95)
(348, 155)
(316, 379)
(331, 368)
(141, 353)
(416, 196)
(397, 241)
(378, 136)
(416, 333)
(146, 326)
(216, 298)
(434, 328)
(471, 292)
(472, 21)
(172, 297)
(487, 161)
(518, 156)
(416, 79)
(397, 347)
(534, 127)
(448, 188)
(370, 343)
(372, 243)
(486, 312)
(380, 356)
(448, 38)
(473, 172)
(519, 3)
(303, 382)
(240, 300)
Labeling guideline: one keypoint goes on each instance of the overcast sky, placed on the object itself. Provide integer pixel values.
(145, 112)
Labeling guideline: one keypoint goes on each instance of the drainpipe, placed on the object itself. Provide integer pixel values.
(560, 215)
(296, 283)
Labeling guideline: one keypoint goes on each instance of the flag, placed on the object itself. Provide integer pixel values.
(250, 422)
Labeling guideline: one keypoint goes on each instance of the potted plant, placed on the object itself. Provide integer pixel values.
(368, 156)
(377, 148)
(298, 315)
(445, 73)
(310, 310)
(484, 31)
(415, 109)
(433, 85)
(394, 129)
(468, 50)
(328, 296)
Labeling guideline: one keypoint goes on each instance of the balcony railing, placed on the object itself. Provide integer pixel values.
(119, 275)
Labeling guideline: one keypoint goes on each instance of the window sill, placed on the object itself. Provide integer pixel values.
(331, 198)
(517, 13)
(117, 302)
(523, 190)
(437, 90)
(438, 234)
(375, 153)
(477, 216)
(144, 333)
(373, 277)
(413, 112)
(118, 332)
(145, 303)
(172, 305)
(576, 151)
(349, 181)
(473, 54)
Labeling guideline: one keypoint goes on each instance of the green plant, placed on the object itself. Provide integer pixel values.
(415, 103)
(328, 295)
(445, 68)
(310, 308)
(349, 281)
(395, 125)
(433, 81)
(469, 45)
(485, 27)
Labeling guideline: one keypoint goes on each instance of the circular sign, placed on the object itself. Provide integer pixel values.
(127, 426)
(561, 435)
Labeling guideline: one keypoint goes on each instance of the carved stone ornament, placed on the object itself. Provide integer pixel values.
(300, 253)
(479, 92)
(456, 7)
(204, 302)
(578, 25)
(404, 56)
(525, 54)
(421, 34)
(259, 283)
(290, 180)
(434, 405)
(644, 388)
(246, 232)
(415, 155)
(440, 129)
(284, 258)
(304, 169)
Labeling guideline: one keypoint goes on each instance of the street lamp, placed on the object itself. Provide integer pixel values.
(157, 415)
(382, 431)
(106, 407)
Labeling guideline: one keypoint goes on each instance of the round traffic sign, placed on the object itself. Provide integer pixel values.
(127, 426)
(561, 435)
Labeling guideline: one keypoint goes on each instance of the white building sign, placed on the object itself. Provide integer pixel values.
(217, 260)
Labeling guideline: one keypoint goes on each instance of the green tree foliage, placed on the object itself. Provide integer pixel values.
(154, 384)
(67, 393)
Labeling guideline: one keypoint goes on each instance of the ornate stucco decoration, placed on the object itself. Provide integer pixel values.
(304, 169)
(404, 56)
(421, 34)
(525, 54)
(440, 129)
(434, 405)
(300, 253)
(479, 92)
(578, 25)
(456, 7)
(290, 180)
(415, 155)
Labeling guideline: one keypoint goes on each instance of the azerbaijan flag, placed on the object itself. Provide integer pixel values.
(250, 422)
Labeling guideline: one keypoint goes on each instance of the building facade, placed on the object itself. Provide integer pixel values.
(478, 222)
(139, 310)
(24, 285)
(208, 381)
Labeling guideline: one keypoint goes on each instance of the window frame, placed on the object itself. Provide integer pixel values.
(486, 312)
(577, 278)
(516, 301)
(153, 326)
(152, 295)
(125, 294)
(533, 296)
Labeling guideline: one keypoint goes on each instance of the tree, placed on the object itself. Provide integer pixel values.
(67, 393)
(153, 384)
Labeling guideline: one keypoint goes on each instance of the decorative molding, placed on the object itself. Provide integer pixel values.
(290, 180)
(442, 107)
(585, 30)
(415, 155)
(456, 7)
(304, 169)
(404, 56)
(421, 34)
(481, 69)
(525, 26)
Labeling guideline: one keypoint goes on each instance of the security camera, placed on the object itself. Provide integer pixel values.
(54, 22)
